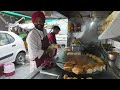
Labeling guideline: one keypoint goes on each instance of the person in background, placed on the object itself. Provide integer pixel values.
(52, 38)
(52, 35)
(37, 41)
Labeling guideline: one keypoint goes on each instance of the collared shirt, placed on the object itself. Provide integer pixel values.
(52, 38)
(34, 43)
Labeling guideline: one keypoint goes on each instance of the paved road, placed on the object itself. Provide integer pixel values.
(21, 71)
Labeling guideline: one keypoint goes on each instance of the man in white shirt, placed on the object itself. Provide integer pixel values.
(37, 41)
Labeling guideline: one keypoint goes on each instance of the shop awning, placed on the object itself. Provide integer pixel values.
(23, 15)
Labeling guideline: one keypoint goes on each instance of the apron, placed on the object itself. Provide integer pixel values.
(45, 59)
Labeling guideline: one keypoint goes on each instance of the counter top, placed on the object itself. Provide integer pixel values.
(56, 73)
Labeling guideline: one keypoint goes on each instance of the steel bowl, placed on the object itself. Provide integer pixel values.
(112, 55)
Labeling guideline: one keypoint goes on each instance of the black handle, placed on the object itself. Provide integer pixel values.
(61, 62)
(14, 45)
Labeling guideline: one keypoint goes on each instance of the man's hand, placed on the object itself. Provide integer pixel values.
(52, 52)
(57, 46)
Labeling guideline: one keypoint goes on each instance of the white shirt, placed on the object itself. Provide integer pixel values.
(34, 43)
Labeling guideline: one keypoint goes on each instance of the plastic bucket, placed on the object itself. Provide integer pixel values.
(9, 69)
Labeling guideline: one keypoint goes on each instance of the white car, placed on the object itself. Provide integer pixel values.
(12, 48)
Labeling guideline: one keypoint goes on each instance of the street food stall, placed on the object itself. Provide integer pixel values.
(86, 57)
(92, 50)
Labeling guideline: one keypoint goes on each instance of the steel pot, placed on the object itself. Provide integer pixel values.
(112, 55)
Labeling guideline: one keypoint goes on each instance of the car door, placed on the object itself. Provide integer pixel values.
(7, 49)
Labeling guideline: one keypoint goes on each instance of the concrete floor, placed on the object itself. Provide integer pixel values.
(21, 71)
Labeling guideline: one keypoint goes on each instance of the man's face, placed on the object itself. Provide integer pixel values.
(39, 23)
(56, 31)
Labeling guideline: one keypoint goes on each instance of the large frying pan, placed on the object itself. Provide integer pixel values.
(60, 61)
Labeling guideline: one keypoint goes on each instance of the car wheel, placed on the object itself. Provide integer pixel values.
(20, 58)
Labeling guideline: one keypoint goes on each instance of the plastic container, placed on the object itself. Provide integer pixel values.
(9, 69)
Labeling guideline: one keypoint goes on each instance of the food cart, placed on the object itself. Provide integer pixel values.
(91, 50)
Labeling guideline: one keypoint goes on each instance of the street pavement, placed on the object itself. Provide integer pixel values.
(21, 71)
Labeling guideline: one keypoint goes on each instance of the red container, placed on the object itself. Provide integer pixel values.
(2, 70)
(9, 69)
(10, 74)
(78, 27)
(71, 27)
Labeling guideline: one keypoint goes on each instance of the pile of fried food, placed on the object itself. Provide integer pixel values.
(54, 46)
(70, 52)
(67, 77)
(108, 21)
(67, 49)
(83, 64)
(73, 53)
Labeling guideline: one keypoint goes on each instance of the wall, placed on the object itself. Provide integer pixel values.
(89, 33)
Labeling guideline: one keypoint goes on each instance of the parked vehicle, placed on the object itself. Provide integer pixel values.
(12, 48)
